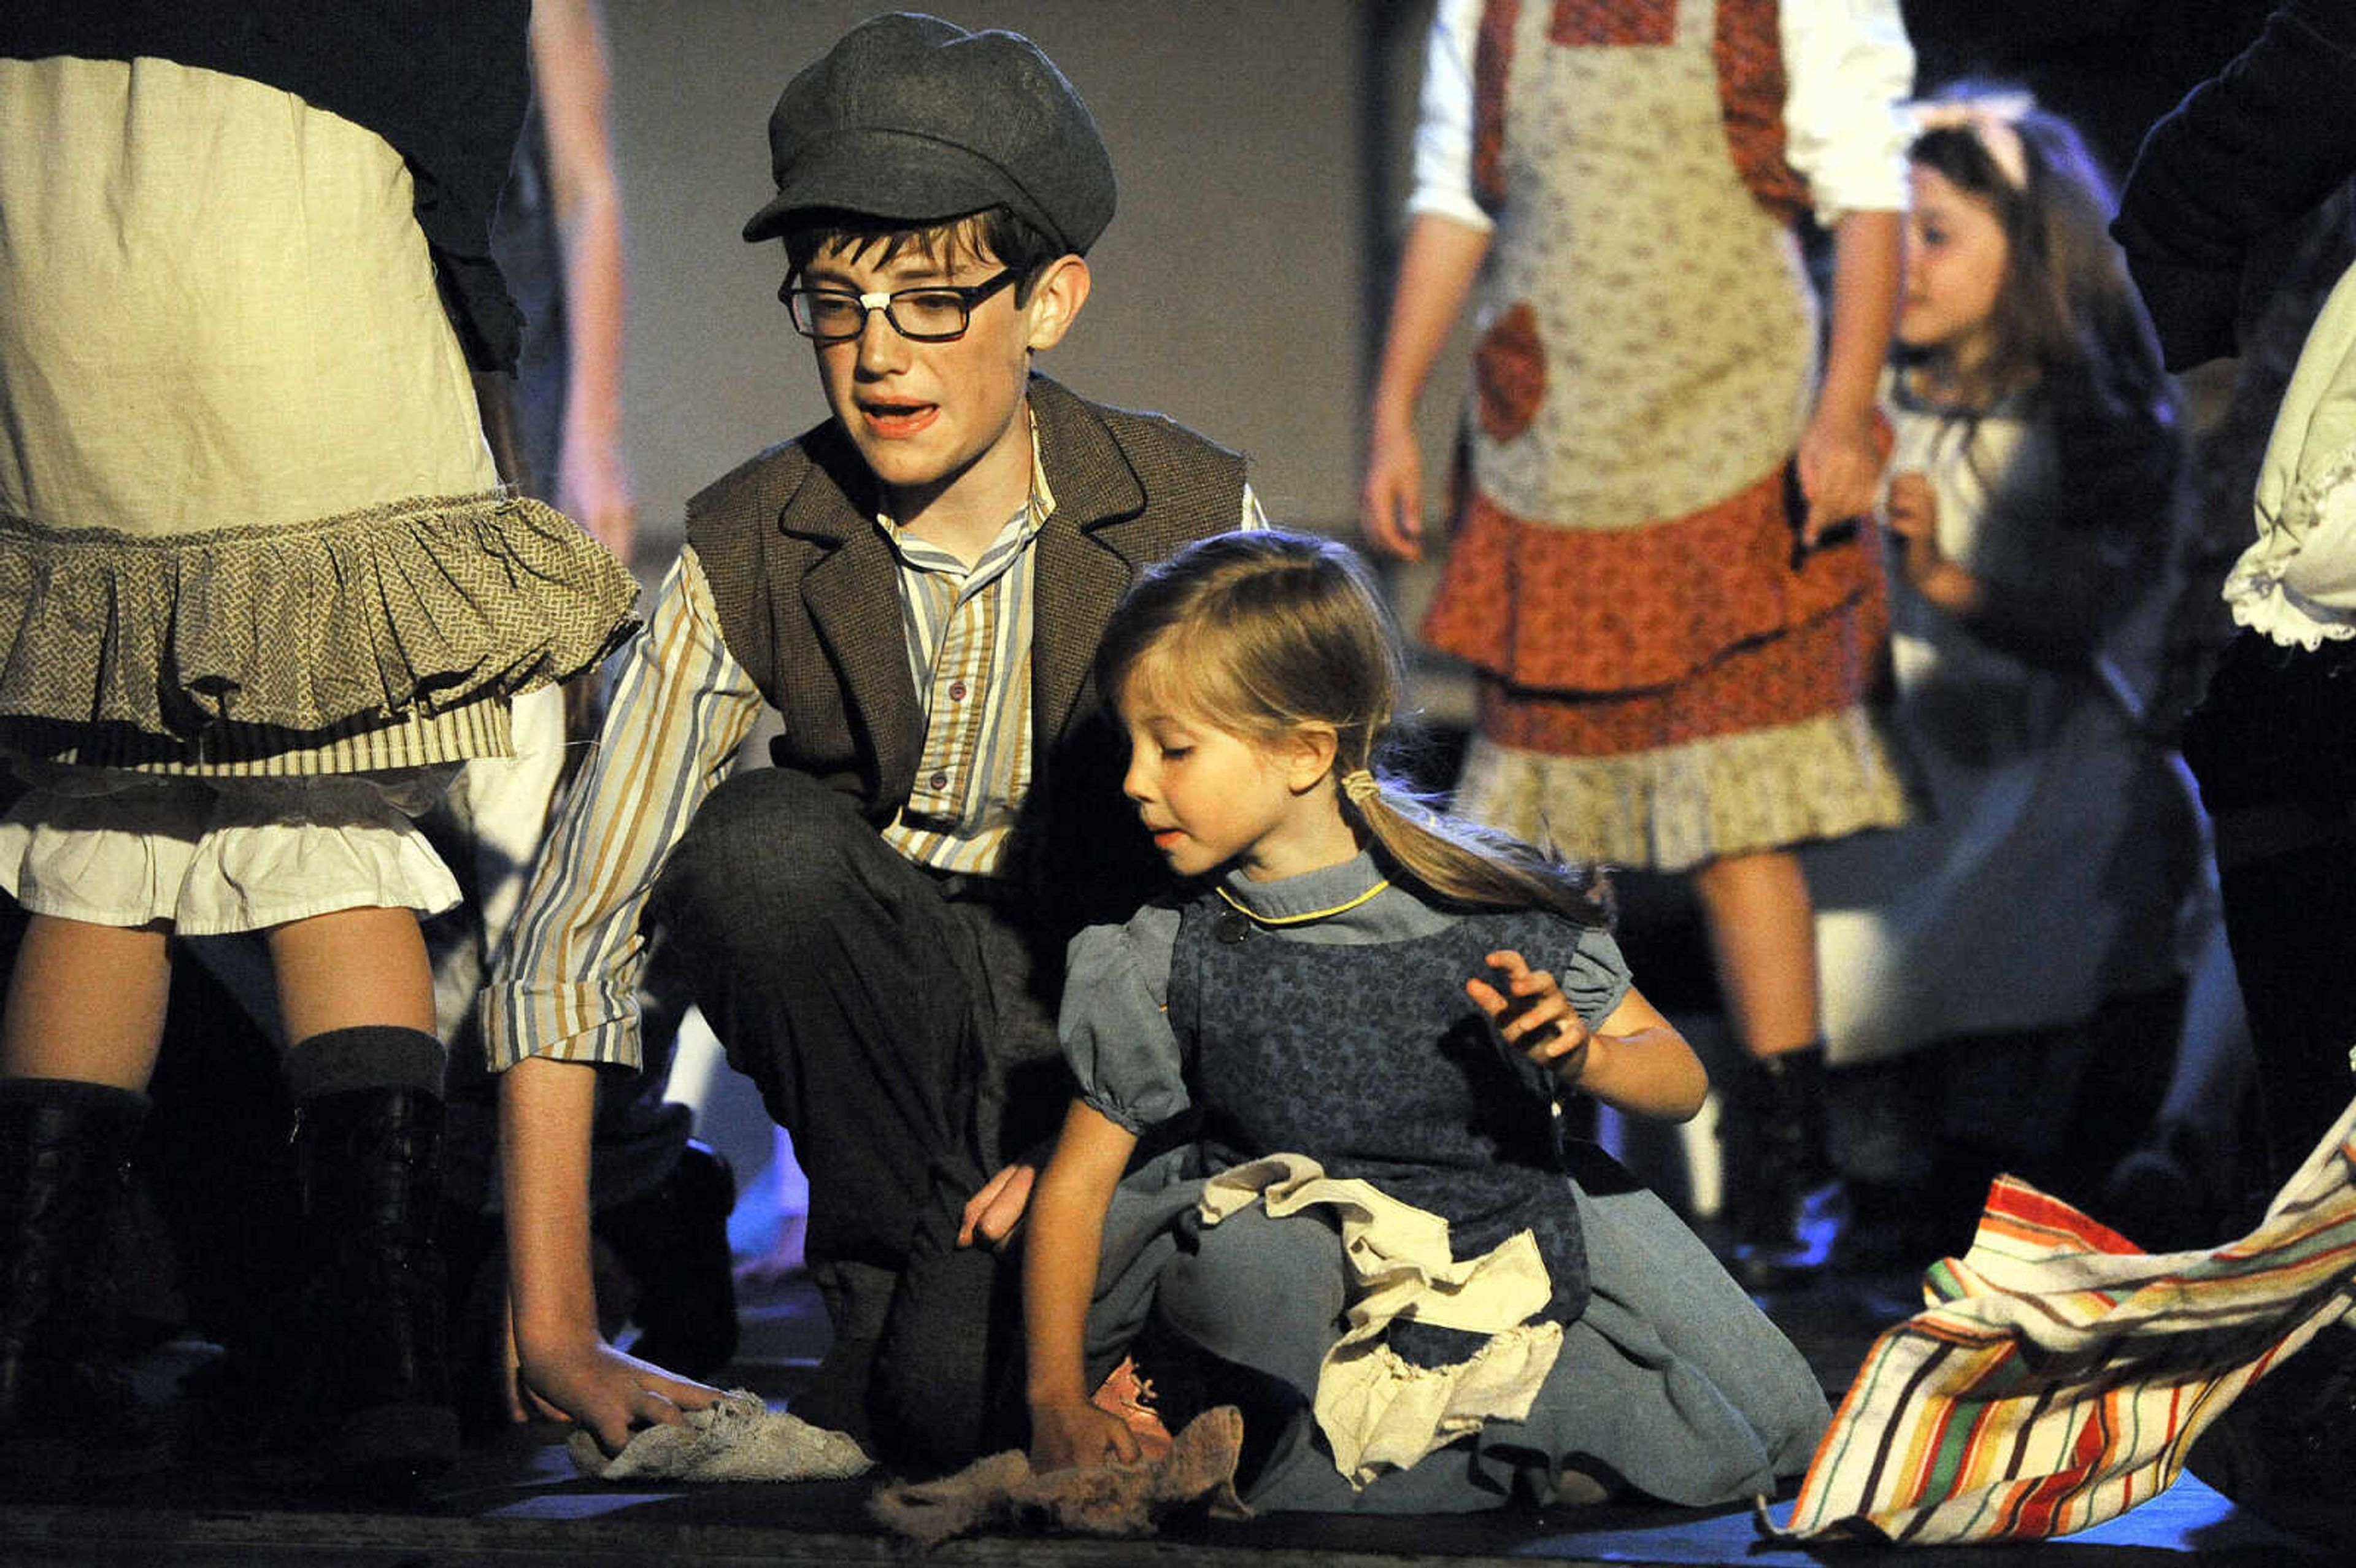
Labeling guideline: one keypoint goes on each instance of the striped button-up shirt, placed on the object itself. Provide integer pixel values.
(682, 706)
(968, 633)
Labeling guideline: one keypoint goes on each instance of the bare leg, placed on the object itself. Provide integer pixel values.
(353, 968)
(1763, 933)
(86, 1002)
(1782, 1209)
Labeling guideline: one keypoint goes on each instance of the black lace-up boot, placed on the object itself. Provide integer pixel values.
(1785, 1202)
(373, 1395)
(67, 1407)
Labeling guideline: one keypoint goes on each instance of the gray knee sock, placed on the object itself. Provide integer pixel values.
(373, 1056)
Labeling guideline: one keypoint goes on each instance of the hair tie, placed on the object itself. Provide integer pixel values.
(1361, 786)
(1993, 118)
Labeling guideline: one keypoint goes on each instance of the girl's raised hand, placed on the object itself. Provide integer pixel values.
(1532, 1015)
(1077, 1436)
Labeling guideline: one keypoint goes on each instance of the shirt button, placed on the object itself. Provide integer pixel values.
(956, 691)
(939, 780)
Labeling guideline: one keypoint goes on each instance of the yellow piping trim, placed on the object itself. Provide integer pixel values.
(1251, 913)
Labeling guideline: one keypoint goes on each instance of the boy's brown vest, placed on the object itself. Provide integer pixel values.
(807, 592)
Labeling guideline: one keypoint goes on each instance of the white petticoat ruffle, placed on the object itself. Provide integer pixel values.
(1378, 1411)
(216, 856)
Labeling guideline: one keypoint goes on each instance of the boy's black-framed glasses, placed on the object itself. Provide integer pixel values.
(933, 313)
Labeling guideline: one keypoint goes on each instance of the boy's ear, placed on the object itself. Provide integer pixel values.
(1309, 755)
(1056, 300)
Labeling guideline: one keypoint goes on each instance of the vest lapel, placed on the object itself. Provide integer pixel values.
(1088, 556)
(852, 593)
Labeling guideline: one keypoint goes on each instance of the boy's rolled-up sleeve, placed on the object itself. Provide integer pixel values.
(567, 986)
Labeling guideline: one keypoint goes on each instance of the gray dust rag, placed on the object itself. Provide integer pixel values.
(739, 1439)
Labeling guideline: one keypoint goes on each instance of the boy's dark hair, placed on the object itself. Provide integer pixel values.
(998, 233)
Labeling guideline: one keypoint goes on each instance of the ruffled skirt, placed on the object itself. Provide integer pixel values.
(1667, 695)
(248, 523)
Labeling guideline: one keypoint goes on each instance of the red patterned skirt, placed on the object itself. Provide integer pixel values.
(1667, 695)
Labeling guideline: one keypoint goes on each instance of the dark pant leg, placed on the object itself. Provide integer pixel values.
(822, 960)
(948, 1380)
(900, 1026)
(2273, 747)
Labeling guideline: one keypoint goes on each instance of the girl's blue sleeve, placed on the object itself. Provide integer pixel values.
(1115, 1024)
(1592, 974)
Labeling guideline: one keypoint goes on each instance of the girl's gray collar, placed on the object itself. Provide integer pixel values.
(1348, 903)
(1307, 895)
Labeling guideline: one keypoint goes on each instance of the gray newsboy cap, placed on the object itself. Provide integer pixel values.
(912, 119)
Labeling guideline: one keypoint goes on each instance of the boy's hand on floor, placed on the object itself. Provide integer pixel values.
(1078, 1435)
(611, 1394)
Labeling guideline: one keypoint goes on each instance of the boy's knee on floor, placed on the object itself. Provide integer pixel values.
(946, 1374)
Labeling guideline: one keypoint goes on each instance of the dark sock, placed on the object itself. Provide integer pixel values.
(371, 1056)
(74, 1092)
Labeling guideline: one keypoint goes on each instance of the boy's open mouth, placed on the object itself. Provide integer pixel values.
(898, 418)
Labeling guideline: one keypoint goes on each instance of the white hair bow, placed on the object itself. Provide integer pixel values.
(1994, 118)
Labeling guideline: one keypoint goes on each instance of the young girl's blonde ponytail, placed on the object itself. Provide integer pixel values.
(1464, 864)
(1265, 632)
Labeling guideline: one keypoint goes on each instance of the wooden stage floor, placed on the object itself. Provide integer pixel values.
(515, 1501)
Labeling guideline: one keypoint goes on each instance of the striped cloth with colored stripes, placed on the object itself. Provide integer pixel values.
(2059, 1374)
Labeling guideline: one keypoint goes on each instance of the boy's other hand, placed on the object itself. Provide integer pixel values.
(992, 1213)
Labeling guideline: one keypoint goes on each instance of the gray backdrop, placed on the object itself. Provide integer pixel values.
(1256, 144)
